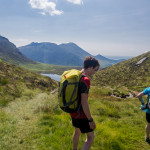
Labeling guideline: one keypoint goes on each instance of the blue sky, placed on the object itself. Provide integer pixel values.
(106, 27)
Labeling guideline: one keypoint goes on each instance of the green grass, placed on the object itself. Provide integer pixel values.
(47, 68)
(126, 73)
(37, 66)
(31, 122)
(16, 82)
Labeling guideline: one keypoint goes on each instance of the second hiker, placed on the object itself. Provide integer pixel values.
(146, 107)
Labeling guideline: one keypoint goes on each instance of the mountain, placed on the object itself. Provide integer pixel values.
(68, 54)
(50, 53)
(118, 57)
(133, 73)
(106, 61)
(75, 49)
(9, 53)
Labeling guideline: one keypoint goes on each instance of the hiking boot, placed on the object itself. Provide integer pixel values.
(147, 140)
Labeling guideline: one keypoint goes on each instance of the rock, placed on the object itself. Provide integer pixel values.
(141, 61)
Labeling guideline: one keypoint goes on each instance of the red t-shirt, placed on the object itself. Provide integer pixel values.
(83, 88)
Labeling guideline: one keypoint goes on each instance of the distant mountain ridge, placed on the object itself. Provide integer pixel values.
(106, 61)
(118, 57)
(68, 54)
(75, 49)
(10, 53)
(50, 53)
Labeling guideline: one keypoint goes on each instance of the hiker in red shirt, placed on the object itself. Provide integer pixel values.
(82, 119)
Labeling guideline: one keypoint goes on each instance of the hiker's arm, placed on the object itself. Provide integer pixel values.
(85, 105)
(86, 109)
(140, 97)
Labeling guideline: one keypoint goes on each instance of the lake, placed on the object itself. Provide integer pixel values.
(53, 76)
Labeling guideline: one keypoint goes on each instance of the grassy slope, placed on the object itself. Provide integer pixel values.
(34, 124)
(126, 74)
(39, 67)
(17, 82)
(30, 121)
(47, 68)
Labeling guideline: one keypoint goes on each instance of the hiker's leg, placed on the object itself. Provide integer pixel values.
(76, 136)
(89, 141)
(147, 130)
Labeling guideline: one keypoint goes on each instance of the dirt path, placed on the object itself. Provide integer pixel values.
(22, 109)
(23, 121)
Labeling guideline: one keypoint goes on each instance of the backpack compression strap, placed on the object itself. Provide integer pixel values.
(74, 91)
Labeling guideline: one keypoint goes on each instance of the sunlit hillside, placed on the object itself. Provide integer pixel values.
(16, 82)
(133, 74)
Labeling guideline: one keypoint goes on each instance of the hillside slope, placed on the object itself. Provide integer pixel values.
(15, 82)
(105, 62)
(133, 73)
(9, 53)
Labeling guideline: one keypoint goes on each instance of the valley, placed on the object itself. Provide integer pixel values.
(29, 118)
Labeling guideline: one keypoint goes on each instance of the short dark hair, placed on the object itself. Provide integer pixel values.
(90, 61)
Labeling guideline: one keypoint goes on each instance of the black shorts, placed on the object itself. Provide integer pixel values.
(82, 124)
(148, 117)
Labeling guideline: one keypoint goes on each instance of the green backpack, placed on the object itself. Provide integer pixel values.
(68, 90)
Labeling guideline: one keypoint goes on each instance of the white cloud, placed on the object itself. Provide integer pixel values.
(79, 2)
(46, 6)
(42, 13)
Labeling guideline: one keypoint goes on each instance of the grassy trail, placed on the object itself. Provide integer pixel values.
(33, 124)
(20, 122)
